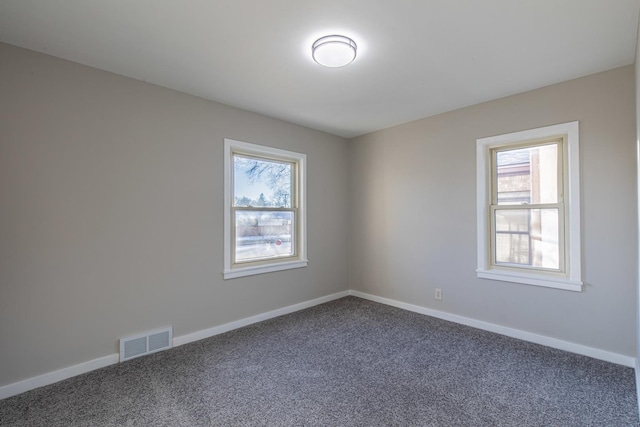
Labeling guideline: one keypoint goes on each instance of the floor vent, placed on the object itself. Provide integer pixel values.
(146, 343)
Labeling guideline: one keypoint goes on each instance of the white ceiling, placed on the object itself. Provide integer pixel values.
(416, 58)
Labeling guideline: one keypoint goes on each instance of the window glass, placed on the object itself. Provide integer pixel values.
(528, 207)
(258, 182)
(264, 209)
(528, 237)
(527, 175)
(263, 234)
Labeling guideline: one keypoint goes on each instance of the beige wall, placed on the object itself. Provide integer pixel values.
(413, 213)
(111, 213)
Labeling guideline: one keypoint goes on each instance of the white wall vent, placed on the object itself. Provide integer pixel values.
(146, 343)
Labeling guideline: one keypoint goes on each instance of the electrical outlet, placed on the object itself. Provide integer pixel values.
(439, 294)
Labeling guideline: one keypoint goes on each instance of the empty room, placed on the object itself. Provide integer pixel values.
(338, 213)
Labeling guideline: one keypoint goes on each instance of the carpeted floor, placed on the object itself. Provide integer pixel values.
(350, 362)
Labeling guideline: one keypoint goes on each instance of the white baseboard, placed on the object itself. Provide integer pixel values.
(55, 376)
(596, 353)
(59, 375)
(81, 368)
(216, 330)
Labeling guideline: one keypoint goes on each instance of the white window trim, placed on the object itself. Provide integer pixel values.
(572, 280)
(229, 271)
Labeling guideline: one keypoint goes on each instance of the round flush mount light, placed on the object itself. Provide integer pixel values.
(334, 51)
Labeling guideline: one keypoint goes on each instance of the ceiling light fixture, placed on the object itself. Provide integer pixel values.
(334, 51)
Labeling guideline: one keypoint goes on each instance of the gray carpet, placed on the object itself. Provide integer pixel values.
(349, 362)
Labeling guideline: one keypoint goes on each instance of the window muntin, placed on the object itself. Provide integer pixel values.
(528, 207)
(264, 209)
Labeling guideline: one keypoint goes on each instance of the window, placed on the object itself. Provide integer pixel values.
(529, 207)
(265, 223)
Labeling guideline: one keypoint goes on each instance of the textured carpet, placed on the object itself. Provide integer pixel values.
(349, 362)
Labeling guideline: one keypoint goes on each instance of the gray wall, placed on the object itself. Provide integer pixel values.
(413, 213)
(111, 216)
(637, 81)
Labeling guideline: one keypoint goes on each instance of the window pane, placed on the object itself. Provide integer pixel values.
(262, 182)
(263, 235)
(528, 175)
(528, 237)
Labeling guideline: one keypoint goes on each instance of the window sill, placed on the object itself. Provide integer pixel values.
(531, 279)
(260, 269)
